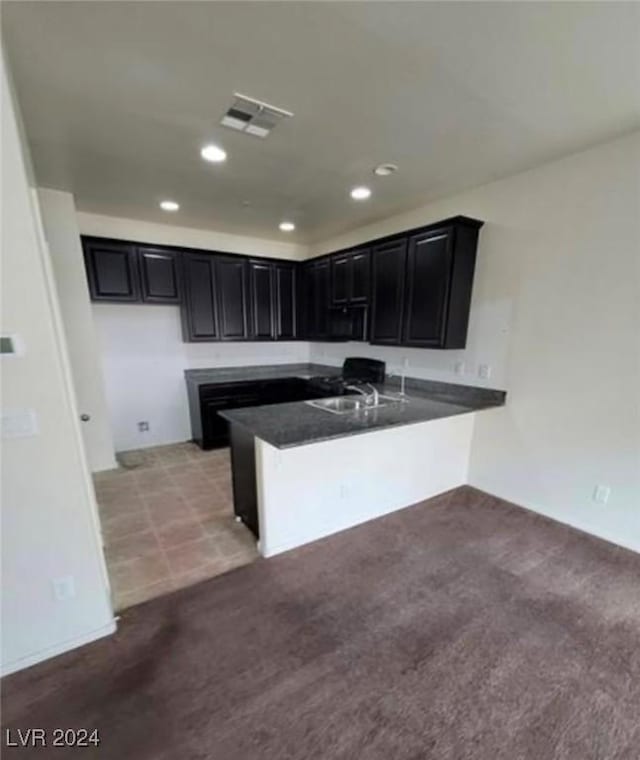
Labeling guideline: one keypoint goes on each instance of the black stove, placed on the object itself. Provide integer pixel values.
(355, 370)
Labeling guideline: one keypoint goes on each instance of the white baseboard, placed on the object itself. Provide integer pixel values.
(61, 648)
(610, 537)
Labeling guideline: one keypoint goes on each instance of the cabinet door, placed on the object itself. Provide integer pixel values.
(215, 429)
(285, 312)
(428, 273)
(261, 279)
(308, 299)
(340, 280)
(111, 270)
(199, 314)
(360, 277)
(231, 292)
(321, 299)
(388, 262)
(159, 275)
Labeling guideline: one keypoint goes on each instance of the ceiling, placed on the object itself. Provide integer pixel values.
(119, 97)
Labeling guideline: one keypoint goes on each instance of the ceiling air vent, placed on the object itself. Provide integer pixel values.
(253, 116)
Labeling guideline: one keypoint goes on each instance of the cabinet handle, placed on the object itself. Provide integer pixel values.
(85, 417)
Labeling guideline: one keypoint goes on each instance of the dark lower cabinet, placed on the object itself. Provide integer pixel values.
(159, 275)
(215, 429)
(210, 431)
(112, 270)
(243, 468)
(387, 295)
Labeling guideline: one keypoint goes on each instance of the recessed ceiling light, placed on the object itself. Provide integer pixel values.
(360, 193)
(214, 154)
(287, 226)
(169, 205)
(384, 170)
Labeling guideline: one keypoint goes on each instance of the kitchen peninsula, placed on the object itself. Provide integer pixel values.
(301, 471)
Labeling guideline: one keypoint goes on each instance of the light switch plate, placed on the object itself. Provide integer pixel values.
(64, 588)
(19, 423)
(601, 494)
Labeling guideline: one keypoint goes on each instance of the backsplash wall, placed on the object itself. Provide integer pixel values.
(144, 357)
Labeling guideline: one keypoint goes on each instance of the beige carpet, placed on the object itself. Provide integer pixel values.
(460, 628)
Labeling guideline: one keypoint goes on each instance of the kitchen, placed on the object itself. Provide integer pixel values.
(319, 370)
(412, 291)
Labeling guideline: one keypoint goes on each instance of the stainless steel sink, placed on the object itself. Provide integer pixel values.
(350, 405)
(339, 405)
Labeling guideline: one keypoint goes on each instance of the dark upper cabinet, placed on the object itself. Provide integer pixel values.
(316, 294)
(286, 308)
(273, 296)
(340, 279)
(262, 291)
(112, 270)
(321, 276)
(387, 295)
(411, 289)
(350, 278)
(421, 286)
(360, 276)
(119, 271)
(440, 268)
(232, 297)
(159, 275)
(428, 275)
(199, 313)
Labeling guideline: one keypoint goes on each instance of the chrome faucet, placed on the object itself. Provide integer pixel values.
(372, 398)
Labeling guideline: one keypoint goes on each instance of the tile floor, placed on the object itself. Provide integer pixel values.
(167, 521)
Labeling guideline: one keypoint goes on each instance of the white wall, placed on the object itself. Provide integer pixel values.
(141, 349)
(189, 237)
(307, 492)
(49, 521)
(144, 358)
(61, 231)
(556, 314)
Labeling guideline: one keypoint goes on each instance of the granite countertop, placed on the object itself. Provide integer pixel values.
(298, 423)
(257, 372)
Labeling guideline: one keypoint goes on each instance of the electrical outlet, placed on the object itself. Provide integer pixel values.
(459, 368)
(484, 371)
(64, 587)
(143, 427)
(601, 494)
